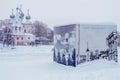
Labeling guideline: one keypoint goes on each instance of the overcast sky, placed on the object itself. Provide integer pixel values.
(60, 12)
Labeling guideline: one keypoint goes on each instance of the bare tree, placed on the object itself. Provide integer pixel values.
(7, 37)
(39, 28)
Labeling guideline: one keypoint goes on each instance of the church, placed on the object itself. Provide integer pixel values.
(21, 27)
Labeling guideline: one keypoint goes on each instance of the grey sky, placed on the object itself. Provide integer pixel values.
(59, 12)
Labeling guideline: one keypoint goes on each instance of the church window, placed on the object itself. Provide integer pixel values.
(19, 28)
(25, 31)
(16, 28)
(28, 37)
(17, 38)
(21, 38)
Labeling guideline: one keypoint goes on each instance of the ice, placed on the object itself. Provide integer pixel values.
(36, 63)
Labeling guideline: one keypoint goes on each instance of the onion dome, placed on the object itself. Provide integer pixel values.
(21, 14)
(17, 9)
(12, 16)
(28, 16)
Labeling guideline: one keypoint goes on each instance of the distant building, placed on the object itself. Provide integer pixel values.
(71, 42)
(112, 44)
(19, 30)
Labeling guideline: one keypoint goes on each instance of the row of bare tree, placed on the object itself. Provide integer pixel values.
(42, 30)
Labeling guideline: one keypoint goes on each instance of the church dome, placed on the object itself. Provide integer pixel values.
(12, 16)
(21, 15)
(28, 16)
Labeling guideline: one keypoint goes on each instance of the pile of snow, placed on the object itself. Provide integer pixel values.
(36, 63)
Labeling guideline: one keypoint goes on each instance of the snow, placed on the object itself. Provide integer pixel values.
(36, 63)
(24, 34)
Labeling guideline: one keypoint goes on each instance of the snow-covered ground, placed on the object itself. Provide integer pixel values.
(36, 63)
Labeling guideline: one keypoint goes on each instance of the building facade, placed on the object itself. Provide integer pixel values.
(21, 27)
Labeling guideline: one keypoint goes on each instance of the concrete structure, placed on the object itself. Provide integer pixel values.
(71, 42)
